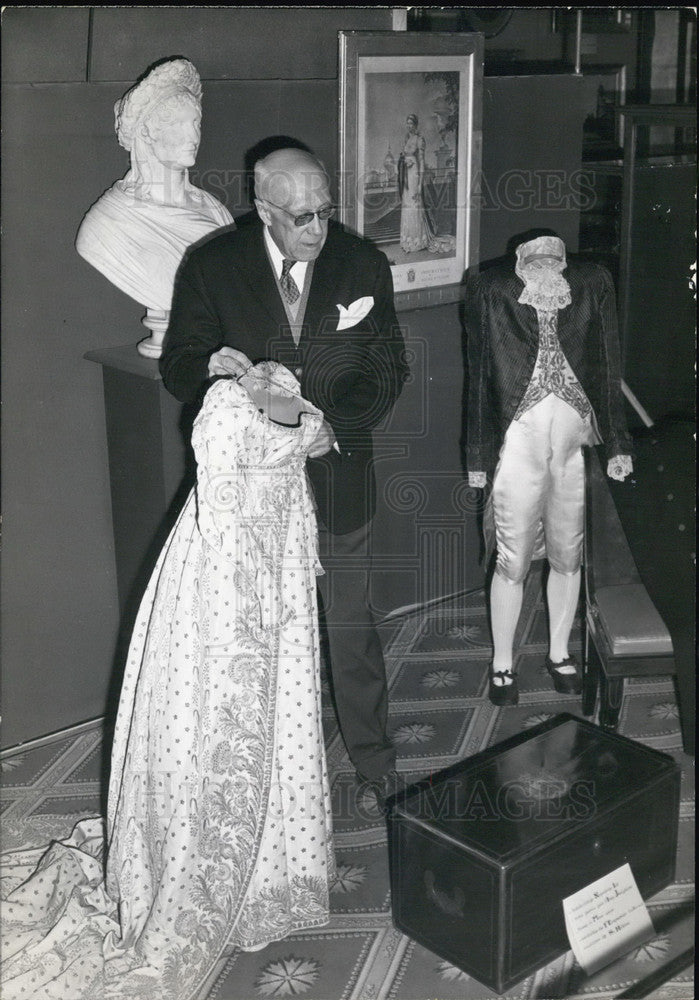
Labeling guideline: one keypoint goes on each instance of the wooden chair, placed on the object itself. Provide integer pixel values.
(624, 635)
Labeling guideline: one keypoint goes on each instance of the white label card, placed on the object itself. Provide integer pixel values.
(606, 919)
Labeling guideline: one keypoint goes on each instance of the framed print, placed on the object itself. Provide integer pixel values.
(410, 149)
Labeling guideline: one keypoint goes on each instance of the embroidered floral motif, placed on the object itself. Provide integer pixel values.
(472, 634)
(348, 878)
(552, 373)
(664, 710)
(653, 950)
(439, 679)
(414, 732)
(12, 763)
(287, 977)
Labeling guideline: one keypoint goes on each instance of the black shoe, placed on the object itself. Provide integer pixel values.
(565, 682)
(503, 694)
(384, 788)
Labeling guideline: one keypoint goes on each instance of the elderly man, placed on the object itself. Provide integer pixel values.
(293, 287)
(544, 379)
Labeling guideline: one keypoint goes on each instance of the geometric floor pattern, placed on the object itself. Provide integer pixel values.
(437, 663)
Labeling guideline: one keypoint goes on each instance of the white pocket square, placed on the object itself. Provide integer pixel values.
(355, 312)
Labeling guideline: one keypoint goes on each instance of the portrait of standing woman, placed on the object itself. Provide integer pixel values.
(415, 230)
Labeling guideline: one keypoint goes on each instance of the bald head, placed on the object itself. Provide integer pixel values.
(291, 184)
(287, 174)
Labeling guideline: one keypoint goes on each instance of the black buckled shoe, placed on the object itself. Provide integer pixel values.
(565, 682)
(503, 694)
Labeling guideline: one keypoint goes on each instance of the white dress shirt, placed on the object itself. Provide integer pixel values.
(297, 272)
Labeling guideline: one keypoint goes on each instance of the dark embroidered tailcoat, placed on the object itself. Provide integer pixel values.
(502, 345)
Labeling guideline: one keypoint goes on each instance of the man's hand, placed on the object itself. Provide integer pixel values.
(477, 480)
(323, 441)
(619, 467)
(228, 361)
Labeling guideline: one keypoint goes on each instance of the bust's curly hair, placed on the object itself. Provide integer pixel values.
(164, 80)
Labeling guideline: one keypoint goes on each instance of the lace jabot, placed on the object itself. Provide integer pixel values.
(539, 265)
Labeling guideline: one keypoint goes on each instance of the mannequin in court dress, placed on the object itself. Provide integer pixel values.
(544, 381)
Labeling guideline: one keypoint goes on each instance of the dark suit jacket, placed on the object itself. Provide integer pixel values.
(502, 345)
(225, 294)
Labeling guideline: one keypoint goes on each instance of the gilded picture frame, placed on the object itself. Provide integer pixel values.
(410, 154)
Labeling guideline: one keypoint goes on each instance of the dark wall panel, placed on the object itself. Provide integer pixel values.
(660, 342)
(532, 143)
(309, 112)
(239, 114)
(41, 44)
(426, 532)
(225, 43)
(236, 116)
(59, 607)
(529, 35)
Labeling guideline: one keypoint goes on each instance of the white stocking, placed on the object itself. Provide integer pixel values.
(505, 606)
(562, 594)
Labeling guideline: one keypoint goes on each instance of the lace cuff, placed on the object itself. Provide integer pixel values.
(619, 467)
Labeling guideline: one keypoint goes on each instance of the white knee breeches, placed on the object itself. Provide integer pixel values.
(540, 483)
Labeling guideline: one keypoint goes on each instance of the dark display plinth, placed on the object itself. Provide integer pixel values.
(149, 462)
(483, 853)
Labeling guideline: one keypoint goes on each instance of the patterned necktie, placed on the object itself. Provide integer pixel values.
(289, 286)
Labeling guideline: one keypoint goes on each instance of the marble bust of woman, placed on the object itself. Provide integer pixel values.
(137, 232)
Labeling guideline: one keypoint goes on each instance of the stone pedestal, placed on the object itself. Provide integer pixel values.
(151, 467)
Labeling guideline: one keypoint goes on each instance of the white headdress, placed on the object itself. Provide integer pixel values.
(175, 76)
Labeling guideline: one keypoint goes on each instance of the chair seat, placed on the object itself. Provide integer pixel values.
(631, 622)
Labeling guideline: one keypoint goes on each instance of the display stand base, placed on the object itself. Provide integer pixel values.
(157, 321)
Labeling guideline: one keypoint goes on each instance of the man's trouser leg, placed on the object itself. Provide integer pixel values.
(356, 657)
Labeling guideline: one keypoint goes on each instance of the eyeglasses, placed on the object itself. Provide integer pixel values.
(306, 217)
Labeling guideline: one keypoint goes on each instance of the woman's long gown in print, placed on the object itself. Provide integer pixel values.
(219, 822)
(415, 230)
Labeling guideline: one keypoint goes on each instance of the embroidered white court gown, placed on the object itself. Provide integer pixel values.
(219, 823)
